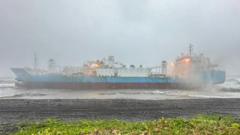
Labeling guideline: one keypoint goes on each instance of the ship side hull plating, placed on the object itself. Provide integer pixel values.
(95, 86)
(60, 81)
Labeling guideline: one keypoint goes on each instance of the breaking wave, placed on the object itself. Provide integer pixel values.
(25, 95)
(231, 84)
(7, 83)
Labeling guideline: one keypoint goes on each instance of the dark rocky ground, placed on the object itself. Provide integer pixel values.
(14, 111)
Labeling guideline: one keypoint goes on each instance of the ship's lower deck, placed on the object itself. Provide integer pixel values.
(104, 86)
(86, 86)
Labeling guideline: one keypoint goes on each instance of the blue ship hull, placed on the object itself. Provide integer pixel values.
(60, 81)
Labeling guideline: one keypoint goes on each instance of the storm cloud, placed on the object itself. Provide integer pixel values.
(134, 31)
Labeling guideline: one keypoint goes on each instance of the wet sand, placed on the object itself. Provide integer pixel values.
(13, 111)
(18, 110)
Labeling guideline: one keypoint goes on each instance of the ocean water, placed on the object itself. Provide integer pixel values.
(230, 89)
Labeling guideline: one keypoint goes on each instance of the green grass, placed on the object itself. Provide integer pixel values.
(201, 125)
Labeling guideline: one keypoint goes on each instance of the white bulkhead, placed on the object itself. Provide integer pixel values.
(105, 72)
(124, 72)
(134, 72)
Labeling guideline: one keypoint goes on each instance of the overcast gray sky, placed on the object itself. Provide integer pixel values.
(134, 31)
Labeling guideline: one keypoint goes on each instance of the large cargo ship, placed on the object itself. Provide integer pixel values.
(187, 71)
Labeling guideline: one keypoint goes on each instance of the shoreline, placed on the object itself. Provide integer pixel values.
(17, 111)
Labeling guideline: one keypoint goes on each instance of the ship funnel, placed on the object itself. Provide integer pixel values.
(111, 59)
(164, 67)
(51, 65)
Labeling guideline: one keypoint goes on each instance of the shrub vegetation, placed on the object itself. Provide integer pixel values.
(201, 125)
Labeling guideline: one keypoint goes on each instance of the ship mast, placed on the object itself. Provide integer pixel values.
(190, 49)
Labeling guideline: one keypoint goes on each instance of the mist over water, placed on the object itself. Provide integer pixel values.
(139, 32)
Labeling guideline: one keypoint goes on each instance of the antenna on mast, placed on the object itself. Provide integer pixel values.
(35, 61)
(190, 49)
